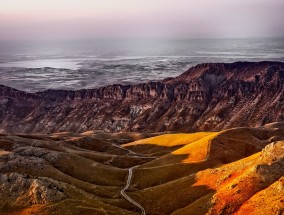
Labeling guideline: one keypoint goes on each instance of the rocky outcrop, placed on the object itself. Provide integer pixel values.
(206, 97)
(29, 191)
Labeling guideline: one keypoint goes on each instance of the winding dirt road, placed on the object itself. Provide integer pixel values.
(130, 175)
(128, 198)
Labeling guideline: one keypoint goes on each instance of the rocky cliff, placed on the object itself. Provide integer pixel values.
(206, 97)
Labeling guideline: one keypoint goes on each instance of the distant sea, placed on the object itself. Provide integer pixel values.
(37, 65)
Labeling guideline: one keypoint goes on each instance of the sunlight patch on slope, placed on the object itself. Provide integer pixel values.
(198, 150)
(170, 140)
(225, 174)
(3, 152)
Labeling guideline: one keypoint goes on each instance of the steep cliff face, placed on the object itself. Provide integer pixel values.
(206, 97)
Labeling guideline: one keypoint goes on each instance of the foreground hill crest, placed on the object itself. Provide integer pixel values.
(206, 97)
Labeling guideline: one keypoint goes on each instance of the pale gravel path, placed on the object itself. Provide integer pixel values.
(128, 198)
(129, 178)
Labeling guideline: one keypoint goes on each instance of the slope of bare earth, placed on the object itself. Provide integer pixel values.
(235, 171)
(65, 173)
(207, 97)
(222, 173)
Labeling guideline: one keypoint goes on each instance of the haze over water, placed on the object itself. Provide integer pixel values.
(91, 64)
(87, 43)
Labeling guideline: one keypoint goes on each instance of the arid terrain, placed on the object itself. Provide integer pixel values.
(141, 107)
(207, 97)
(200, 143)
(234, 171)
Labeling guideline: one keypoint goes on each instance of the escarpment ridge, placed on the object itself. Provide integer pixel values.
(206, 97)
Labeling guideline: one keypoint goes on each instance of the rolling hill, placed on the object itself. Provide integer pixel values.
(234, 171)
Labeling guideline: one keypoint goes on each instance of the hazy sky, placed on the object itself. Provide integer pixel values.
(90, 19)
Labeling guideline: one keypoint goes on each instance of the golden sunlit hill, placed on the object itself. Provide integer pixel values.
(235, 171)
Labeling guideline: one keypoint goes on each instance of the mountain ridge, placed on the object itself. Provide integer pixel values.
(210, 96)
